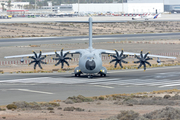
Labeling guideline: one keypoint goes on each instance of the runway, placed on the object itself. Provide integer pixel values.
(81, 39)
(52, 86)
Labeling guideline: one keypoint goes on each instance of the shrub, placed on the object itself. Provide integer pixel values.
(101, 98)
(80, 99)
(79, 109)
(168, 113)
(11, 106)
(127, 115)
(69, 101)
(166, 96)
(175, 97)
(69, 109)
(2, 109)
(50, 108)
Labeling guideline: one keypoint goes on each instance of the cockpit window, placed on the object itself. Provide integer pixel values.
(90, 58)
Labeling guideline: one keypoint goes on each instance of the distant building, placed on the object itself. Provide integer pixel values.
(120, 7)
(57, 9)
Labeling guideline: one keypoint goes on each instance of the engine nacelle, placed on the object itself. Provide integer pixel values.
(77, 71)
(103, 71)
(22, 60)
(158, 60)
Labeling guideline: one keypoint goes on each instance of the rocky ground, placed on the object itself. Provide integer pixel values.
(156, 105)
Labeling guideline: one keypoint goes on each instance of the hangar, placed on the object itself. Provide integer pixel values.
(130, 6)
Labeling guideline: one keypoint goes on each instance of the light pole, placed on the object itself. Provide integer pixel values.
(78, 7)
(122, 6)
(35, 8)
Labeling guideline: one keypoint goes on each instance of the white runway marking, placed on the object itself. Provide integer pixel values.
(26, 90)
(103, 86)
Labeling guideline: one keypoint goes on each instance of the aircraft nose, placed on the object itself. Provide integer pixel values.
(90, 65)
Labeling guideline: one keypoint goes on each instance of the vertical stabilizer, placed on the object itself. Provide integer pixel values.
(90, 33)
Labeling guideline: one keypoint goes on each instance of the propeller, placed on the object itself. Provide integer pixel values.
(118, 58)
(62, 58)
(143, 60)
(37, 60)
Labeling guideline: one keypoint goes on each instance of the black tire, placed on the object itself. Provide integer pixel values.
(75, 75)
(104, 75)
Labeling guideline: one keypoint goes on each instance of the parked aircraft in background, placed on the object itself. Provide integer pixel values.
(147, 17)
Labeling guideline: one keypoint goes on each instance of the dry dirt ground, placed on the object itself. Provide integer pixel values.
(97, 110)
(12, 30)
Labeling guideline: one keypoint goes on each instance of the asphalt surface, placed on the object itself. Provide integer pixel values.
(165, 17)
(82, 39)
(53, 86)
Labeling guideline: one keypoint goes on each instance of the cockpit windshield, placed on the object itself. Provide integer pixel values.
(90, 58)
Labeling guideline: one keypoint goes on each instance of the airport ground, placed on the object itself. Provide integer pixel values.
(58, 86)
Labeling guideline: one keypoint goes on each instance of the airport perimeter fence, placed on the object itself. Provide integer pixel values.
(104, 58)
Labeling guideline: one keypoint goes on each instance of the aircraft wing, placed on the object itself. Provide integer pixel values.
(77, 51)
(132, 54)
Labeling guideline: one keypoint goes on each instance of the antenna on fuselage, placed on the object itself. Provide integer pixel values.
(90, 33)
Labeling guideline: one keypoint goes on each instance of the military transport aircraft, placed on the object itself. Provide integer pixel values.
(90, 61)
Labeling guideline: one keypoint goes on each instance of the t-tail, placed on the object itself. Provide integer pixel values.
(90, 33)
(157, 15)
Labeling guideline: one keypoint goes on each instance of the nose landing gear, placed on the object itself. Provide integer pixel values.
(90, 76)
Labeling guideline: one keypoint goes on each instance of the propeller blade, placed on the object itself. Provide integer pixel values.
(55, 58)
(120, 65)
(58, 63)
(124, 61)
(116, 64)
(57, 55)
(67, 58)
(144, 66)
(66, 63)
(113, 60)
(117, 54)
(35, 65)
(43, 57)
(140, 65)
(121, 53)
(43, 62)
(149, 58)
(62, 64)
(31, 62)
(66, 54)
(32, 57)
(137, 61)
(146, 55)
(114, 56)
(35, 54)
(39, 65)
(137, 57)
(61, 52)
(141, 54)
(40, 53)
(148, 63)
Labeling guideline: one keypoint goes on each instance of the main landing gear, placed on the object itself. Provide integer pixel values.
(76, 75)
(103, 75)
